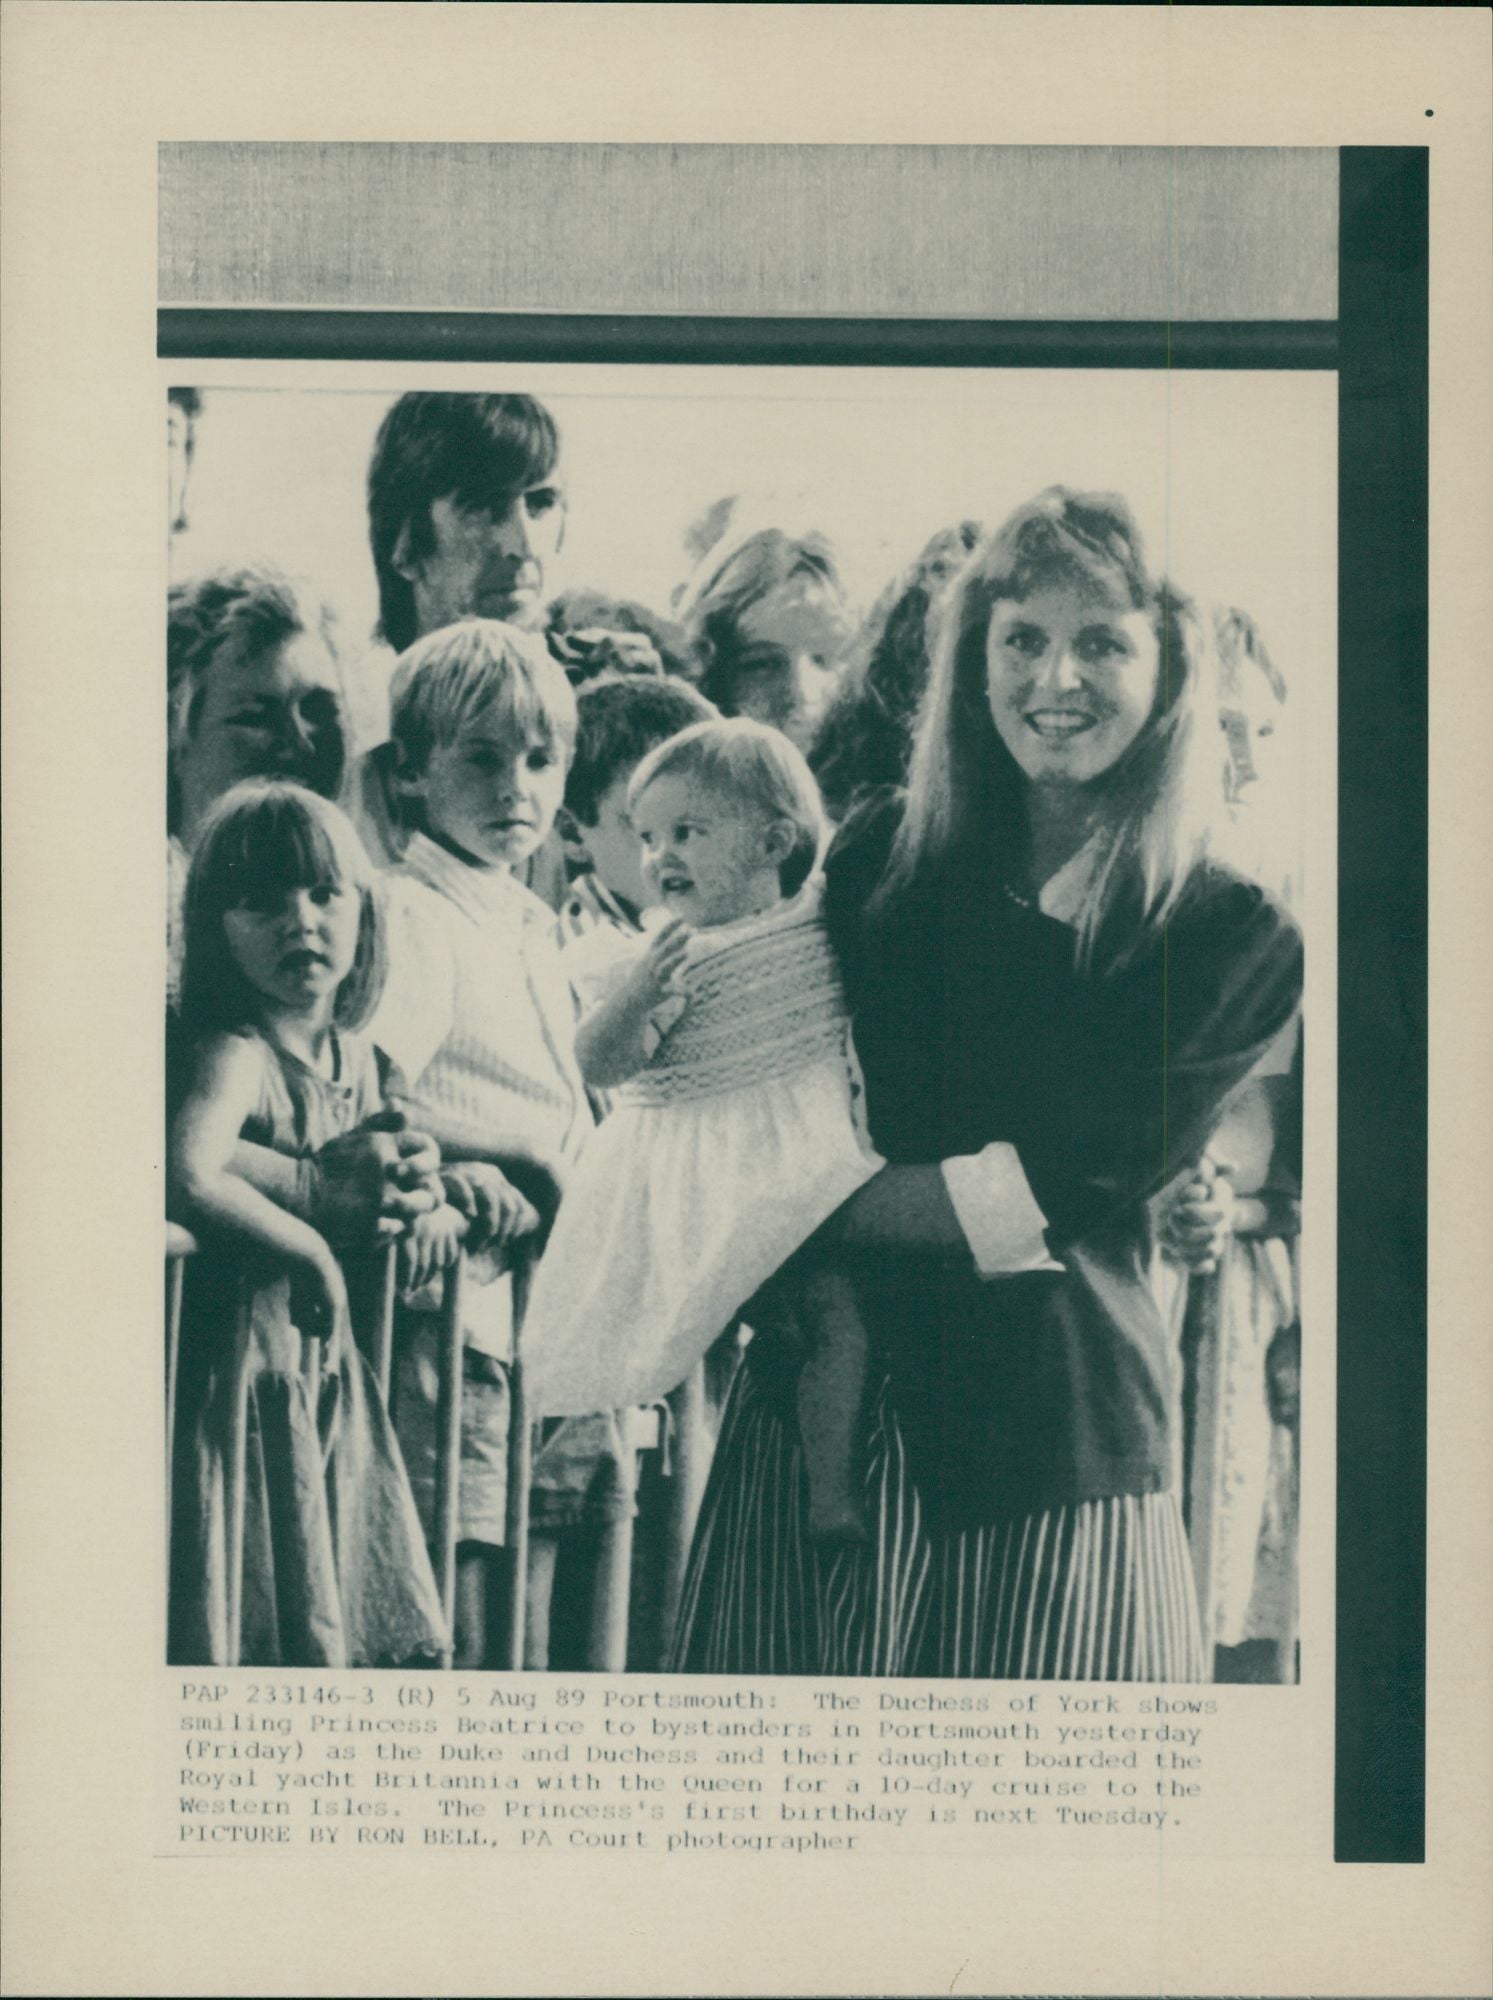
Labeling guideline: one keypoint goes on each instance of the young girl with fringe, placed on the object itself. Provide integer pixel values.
(283, 962)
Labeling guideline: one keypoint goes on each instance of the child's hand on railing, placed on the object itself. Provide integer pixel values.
(325, 1297)
(496, 1212)
(179, 1242)
(374, 1181)
(431, 1245)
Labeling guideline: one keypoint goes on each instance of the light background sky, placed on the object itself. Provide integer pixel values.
(887, 458)
(1232, 476)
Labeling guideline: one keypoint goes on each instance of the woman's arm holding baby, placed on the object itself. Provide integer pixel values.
(610, 1043)
(901, 1208)
(979, 1203)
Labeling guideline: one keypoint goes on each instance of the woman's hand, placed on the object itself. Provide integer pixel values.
(1197, 1221)
(595, 649)
(495, 1211)
(432, 1245)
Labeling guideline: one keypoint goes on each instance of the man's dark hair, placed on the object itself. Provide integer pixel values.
(480, 451)
(621, 720)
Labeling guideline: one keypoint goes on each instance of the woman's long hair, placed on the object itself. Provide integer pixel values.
(866, 739)
(1155, 808)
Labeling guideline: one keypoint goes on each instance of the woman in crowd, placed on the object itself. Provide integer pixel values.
(1235, 1226)
(1053, 992)
(768, 618)
(255, 689)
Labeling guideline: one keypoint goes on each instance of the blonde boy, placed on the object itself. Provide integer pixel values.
(478, 1019)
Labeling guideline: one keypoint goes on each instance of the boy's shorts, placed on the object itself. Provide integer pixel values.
(584, 1474)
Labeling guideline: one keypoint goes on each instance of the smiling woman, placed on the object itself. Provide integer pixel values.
(1072, 681)
(1077, 713)
(1011, 935)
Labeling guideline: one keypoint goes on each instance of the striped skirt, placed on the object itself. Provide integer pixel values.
(1101, 1590)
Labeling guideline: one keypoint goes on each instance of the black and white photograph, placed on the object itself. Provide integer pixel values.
(743, 1242)
(864, 1176)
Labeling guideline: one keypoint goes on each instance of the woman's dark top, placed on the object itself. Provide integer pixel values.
(1042, 1389)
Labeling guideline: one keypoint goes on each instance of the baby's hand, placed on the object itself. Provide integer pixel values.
(433, 1244)
(496, 1212)
(656, 974)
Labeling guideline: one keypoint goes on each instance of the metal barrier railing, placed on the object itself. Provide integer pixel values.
(449, 1360)
(180, 1245)
(693, 1448)
(681, 1423)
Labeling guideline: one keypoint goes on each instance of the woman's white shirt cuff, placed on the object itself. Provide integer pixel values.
(998, 1212)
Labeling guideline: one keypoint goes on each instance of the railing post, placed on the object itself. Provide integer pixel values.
(1286, 1667)
(236, 1467)
(448, 1445)
(179, 1246)
(611, 1597)
(693, 1446)
(383, 1340)
(1203, 1405)
(520, 1465)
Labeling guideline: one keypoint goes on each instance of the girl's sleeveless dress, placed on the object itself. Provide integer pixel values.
(718, 1160)
(335, 1568)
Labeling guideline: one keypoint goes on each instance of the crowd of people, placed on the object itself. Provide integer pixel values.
(892, 1017)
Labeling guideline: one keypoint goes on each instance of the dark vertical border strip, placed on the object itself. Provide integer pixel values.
(275, 333)
(1383, 470)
